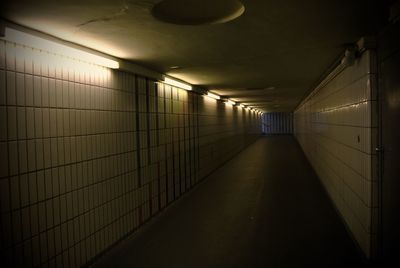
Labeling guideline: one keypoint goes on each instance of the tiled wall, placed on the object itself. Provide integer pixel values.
(277, 123)
(336, 125)
(89, 154)
(223, 131)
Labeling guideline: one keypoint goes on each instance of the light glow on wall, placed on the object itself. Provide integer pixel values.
(175, 83)
(230, 102)
(213, 96)
(30, 40)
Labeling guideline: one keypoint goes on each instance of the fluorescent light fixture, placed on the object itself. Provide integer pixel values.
(33, 41)
(214, 96)
(176, 83)
(231, 102)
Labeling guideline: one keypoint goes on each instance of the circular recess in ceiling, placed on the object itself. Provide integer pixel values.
(197, 12)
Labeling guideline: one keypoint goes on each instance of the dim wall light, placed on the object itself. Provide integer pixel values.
(214, 96)
(33, 41)
(230, 102)
(175, 83)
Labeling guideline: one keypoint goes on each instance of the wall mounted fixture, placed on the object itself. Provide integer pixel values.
(214, 96)
(175, 83)
(230, 102)
(33, 41)
(349, 56)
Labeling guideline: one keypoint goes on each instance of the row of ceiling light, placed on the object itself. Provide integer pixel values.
(231, 102)
(61, 49)
(173, 82)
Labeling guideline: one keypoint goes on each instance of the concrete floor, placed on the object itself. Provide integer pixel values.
(264, 208)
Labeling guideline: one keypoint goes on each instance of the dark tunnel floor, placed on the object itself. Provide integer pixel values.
(264, 208)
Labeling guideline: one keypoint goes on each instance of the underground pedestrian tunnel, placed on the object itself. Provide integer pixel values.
(199, 133)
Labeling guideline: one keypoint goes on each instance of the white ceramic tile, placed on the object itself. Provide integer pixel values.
(22, 156)
(65, 94)
(31, 149)
(30, 122)
(38, 123)
(37, 91)
(2, 54)
(39, 154)
(3, 88)
(3, 123)
(52, 93)
(29, 93)
(28, 58)
(36, 62)
(11, 88)
(53, 122)
(66, 122)
(4, 158)
(61, 150)
(59, 93)
(14, 189)
(60, 122)
(20, 89)
(10, 56)
(24, 191)
(12, 123)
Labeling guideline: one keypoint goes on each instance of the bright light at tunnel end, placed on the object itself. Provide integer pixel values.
(33, 41)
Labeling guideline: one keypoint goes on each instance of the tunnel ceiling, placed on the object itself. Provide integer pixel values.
(272, 55)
